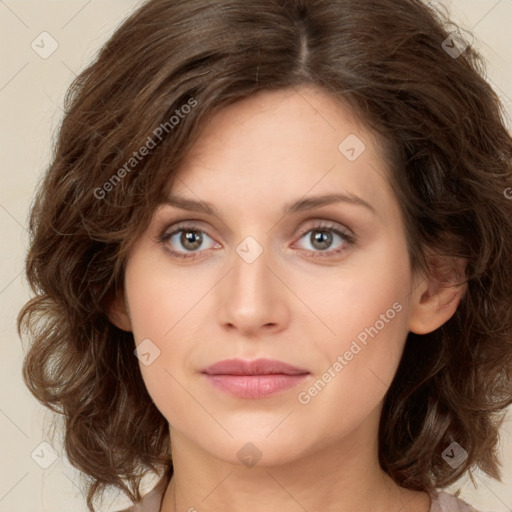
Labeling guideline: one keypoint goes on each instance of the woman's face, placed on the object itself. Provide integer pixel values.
(323, 286)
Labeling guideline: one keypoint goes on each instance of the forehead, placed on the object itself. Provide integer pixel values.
(277, 146)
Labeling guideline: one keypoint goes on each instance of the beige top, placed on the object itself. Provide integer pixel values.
(441, 502)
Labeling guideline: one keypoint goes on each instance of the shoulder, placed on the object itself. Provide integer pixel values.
(151, 502)
(444, 502)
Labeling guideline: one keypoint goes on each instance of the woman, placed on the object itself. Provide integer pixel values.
(271, 259)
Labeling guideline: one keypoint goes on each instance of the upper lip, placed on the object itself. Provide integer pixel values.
(254, 367)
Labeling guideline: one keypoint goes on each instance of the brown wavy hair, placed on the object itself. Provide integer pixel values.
(443, 131)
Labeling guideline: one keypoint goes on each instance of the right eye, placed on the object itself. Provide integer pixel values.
(190, 238)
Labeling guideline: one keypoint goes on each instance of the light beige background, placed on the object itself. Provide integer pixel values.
(31, 96)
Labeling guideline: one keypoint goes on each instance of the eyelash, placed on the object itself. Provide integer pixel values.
(347, 238)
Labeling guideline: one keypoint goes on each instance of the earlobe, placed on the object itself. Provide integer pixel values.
(437, 297)
(118, 313)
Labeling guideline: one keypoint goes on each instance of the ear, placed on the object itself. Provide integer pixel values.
(118, 312)
(437, 295)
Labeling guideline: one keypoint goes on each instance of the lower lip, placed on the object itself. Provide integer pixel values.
(255, 386)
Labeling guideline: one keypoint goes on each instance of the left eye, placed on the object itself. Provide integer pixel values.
(321, 239)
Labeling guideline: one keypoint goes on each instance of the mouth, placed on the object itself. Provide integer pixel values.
(254, 379)
(254, 367)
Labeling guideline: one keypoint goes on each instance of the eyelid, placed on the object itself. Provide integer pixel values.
(325, 223)
(191, 225)
(186, 223)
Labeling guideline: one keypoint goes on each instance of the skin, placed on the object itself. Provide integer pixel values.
(254, 157)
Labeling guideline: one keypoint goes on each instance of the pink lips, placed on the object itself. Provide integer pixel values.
(254, 379)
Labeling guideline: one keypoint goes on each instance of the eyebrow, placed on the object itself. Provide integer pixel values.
(301, 205)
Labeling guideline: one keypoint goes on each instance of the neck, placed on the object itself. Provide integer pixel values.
(340, 477)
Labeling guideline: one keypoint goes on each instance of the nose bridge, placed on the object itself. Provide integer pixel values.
(250, 279)
(252, 297)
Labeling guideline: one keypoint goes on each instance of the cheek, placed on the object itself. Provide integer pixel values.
(164, 315)
(158, 296)
(365, 313)
(355, 367)
(370, 291)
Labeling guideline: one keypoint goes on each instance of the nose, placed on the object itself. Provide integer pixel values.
(252, 297)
